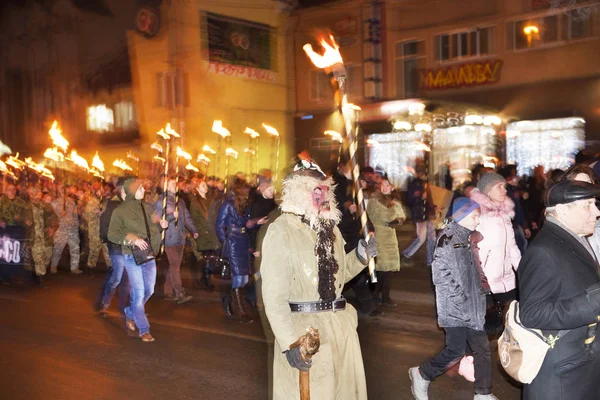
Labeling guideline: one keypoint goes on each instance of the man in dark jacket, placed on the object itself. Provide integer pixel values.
(460, 290)
(350, 228)
(117, 273)
(423, 213)
(560, 290)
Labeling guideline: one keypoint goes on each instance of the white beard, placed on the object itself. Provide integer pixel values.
(297, 199)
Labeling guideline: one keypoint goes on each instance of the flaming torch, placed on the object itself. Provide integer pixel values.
(205, 160)
(167, 133)
(253, 135)
(122, 165)
(335, 136)
(229, 152)
(188, 157)
(223, 134)
(275, 135)
(333, 64)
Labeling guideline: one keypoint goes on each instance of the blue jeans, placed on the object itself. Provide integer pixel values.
(142, 279)
(425, 233)
(116, 277)
(520, 239)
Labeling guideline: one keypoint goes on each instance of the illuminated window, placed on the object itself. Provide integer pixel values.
(467, 44)
(574, 24)
(124, 115)
(100, 119)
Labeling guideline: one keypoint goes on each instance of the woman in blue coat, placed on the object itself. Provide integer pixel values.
(232, 228)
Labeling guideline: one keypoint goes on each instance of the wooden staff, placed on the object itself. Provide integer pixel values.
(333, 65)
(164, 205)
(309, 344)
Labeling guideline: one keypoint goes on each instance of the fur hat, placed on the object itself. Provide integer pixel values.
(487, 181)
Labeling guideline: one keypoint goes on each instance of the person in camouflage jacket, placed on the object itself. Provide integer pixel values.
(41, 232)
(13, 209)
(92, 212)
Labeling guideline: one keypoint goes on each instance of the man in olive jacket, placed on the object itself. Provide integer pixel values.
(560, 290)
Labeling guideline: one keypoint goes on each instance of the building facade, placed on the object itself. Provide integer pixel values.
(516, 59)
(209, 61)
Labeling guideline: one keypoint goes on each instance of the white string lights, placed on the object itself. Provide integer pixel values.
(551, 143)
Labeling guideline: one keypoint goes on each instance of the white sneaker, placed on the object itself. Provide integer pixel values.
(418, 384)
(485, 397)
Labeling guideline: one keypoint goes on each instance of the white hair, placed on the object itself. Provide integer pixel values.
(297, 199)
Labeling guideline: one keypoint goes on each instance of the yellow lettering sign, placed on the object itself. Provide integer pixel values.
(472, 74)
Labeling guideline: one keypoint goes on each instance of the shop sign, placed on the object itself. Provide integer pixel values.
(237, 42)
(240, 71)
(465, 75)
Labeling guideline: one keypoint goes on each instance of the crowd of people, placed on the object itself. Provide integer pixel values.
(308, 248)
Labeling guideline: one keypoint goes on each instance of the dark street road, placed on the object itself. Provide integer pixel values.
(54, 346)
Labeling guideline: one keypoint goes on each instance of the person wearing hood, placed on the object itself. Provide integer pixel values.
(498, 250)
(117, 277)
(133, 224)
(179, 220)
(304, 268)
(460, 292)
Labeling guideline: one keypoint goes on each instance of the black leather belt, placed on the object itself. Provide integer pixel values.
(318, 306)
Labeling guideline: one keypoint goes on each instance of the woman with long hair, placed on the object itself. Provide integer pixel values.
(232, 228)
(386, 213)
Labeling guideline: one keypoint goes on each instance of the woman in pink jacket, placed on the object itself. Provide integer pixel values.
(498, 251)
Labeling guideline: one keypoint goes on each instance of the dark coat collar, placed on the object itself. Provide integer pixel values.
(567, 238)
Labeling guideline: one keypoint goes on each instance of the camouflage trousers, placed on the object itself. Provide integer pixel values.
(95, 246)
(62, 237)
(41, 255)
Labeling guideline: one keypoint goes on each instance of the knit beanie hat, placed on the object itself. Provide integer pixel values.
(462, 207)
(487, 181)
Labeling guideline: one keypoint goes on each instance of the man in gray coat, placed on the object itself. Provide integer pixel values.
(460, 288)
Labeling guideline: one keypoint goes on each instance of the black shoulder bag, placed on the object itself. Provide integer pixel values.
(143, 256)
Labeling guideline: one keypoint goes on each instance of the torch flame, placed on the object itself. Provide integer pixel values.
(170, 131)
(203, 159)
(334, 135)
(53, 154)
(218, 128)
(163, 135)
(231, 152)
(122, 164)
(183, 154)
(208, 149)
(159, 158)
(157, 147)
(422, 146)
(58, 139)
(253, 134)
(15, 162)
(270, 129)
(78, 160)
(330, 57)
(97, 163)
(133, 156)
(4, 149)
(190, 167)
(251, 151)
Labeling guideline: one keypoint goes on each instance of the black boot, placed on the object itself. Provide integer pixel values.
(205, 282)
(227, 305)
(386, 289)
(238, 304)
